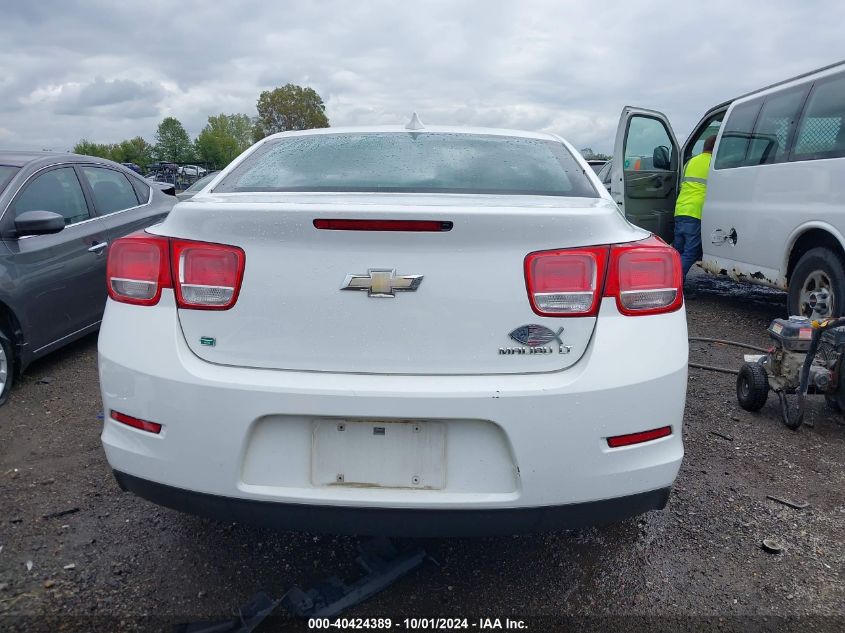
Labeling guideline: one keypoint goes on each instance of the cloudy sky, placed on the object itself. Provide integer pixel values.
(106, 71)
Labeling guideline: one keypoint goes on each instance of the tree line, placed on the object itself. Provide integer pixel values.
(224, 136)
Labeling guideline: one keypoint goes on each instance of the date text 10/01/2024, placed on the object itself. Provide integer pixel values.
(418, 623)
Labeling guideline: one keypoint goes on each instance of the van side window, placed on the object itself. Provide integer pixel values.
(734, 142)
(821, 133)
(772, 131)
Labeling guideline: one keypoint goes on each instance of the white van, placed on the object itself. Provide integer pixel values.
(775, 207)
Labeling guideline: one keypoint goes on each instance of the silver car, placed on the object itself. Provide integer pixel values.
(58, 213)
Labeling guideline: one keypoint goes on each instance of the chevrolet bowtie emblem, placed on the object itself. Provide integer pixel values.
(382, 282)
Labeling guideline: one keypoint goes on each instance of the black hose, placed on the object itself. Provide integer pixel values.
(727, 342)
(724, 370)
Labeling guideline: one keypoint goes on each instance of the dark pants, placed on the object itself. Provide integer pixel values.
(688, 240)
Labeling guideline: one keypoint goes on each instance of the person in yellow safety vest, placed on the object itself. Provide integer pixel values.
(689, 204)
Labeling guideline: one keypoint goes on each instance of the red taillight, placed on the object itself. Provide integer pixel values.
(205, 276)
(135, 423)
(434, 226)
(567, 282)
(138, 268)
(645, 277)
(638, 438)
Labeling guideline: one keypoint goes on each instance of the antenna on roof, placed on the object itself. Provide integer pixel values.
(414, 123)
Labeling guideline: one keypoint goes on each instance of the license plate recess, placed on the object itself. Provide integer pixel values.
(379, 454)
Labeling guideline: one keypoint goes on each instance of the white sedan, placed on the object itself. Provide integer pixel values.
(192, 170)
(407, 331)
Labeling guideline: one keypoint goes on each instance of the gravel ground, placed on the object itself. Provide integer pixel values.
(116, 562)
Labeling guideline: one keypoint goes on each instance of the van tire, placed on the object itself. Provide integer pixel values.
(7, 360)
(818, 268)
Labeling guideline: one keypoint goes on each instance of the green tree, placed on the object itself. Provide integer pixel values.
(589, 154)
(134, 150)
(223, 138)
(172, 142)
(290, 107)
(88, 148)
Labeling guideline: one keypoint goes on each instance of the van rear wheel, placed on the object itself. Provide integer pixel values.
(817, 285)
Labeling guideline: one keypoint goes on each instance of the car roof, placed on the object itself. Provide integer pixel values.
(43, 159)
(21, 158)
(430, 129)
(809, 73)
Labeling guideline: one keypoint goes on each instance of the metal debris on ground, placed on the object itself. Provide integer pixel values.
(798, 505)
(46, 380)
(773, 546)
(245, 620)
(722, 435)
(382, 561)
(61, 513)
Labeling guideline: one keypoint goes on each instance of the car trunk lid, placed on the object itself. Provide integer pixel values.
(464, 308)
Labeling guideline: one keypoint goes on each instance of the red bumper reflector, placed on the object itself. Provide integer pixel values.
(431, 226)
(135, 423)
(639, 438)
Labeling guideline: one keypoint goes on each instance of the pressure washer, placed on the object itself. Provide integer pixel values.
(805, 358)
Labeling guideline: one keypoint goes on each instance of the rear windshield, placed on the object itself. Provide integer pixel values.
(6, 174)
(411, 163)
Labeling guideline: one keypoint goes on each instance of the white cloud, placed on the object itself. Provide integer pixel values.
(95, 70)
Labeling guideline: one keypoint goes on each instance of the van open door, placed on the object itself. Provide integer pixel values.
(644, 175)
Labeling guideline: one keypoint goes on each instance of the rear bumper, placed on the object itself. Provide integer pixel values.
(403, 522)
(532, 443)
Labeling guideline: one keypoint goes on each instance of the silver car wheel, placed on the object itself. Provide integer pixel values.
(4, 369)
(817, 296)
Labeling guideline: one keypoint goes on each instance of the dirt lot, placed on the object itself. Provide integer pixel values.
(700, 557)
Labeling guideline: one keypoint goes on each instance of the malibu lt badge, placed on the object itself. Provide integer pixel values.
(536, 338)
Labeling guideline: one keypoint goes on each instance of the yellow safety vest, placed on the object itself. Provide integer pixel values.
(693, 186)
